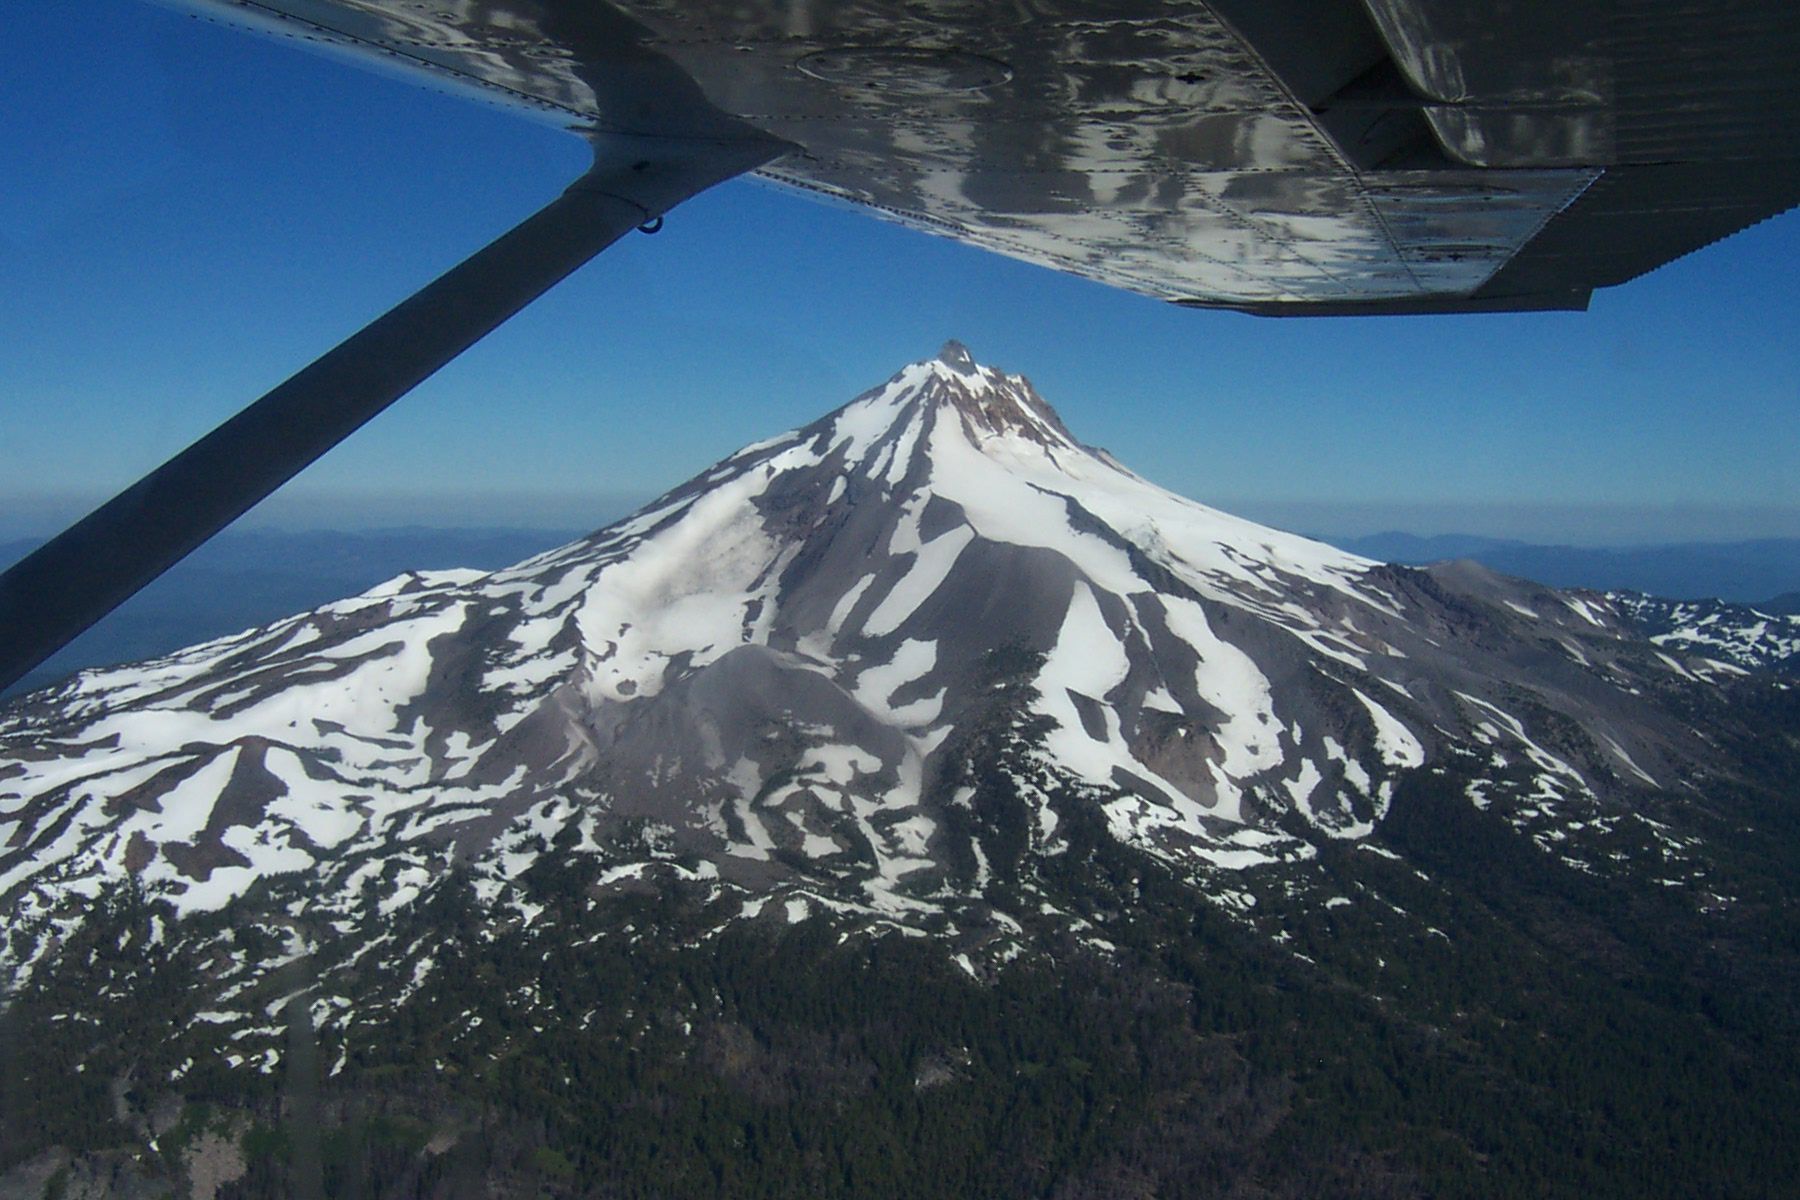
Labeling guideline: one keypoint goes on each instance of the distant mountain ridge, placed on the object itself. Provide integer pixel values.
(243, 579)
(1751, 572)
(1787, 604)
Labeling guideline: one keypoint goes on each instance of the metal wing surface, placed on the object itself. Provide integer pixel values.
(1276, 156)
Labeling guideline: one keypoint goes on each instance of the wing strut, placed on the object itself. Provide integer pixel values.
(97, 564)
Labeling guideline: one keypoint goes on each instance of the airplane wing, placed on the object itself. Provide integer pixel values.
(1273, 156)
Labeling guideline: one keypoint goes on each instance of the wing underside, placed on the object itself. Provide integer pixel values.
(1276, 156)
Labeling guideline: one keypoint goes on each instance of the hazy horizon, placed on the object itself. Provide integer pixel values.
(1541, 523)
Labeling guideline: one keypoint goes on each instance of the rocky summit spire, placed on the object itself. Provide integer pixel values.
(956, 356)
(992, 401)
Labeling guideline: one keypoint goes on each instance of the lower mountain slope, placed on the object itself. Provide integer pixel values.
(1761, 638)
(917, 803)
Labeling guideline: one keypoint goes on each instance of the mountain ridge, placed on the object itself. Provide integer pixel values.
(767, 663)
(1754, 572)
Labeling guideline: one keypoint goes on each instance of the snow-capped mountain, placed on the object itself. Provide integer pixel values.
(917, 803)
(789, 680)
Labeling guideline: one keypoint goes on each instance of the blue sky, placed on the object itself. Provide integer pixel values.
(192, 213)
